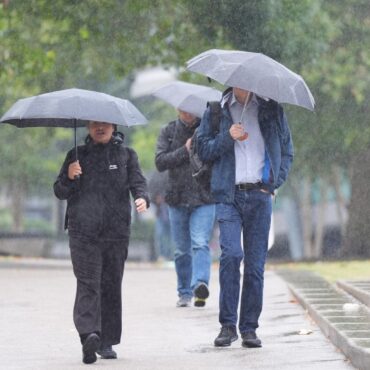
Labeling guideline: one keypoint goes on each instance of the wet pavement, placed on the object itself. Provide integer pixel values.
(37, 330)
(342, 318)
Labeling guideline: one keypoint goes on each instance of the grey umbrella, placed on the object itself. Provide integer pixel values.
(72, 108)
(254, 72)
(188, 97)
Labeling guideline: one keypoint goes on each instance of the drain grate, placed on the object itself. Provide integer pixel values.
(344, 322)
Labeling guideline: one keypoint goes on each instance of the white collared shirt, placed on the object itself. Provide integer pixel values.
(249, 153)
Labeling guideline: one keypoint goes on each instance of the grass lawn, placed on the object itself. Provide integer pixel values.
(332, 271)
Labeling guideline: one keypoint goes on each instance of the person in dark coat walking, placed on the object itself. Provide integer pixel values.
(97, 188)
(191, 210)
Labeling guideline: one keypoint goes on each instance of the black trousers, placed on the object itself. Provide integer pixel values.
(98, 267)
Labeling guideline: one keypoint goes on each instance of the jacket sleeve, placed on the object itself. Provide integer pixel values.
(286, 145)
(166, 159)
(211, 147)
(63, 186)
(137, 182)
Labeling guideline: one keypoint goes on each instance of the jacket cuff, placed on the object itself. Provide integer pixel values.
(227, 140)
(146, 198)
(183, 152)
(65, 181)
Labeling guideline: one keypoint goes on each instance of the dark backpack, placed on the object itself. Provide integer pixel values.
(202, 170)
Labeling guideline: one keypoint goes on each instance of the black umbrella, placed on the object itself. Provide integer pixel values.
(72, 108)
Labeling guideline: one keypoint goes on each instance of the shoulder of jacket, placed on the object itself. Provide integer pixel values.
(269, 110)
(171, 125)
(123, 153)
(130, 152)
(169, 129)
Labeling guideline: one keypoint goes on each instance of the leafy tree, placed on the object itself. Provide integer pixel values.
(325, 42)
(94, 44)
(54, 45)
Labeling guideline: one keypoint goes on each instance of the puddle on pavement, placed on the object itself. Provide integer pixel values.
(213, 349)
(280, 317)
(292, 341)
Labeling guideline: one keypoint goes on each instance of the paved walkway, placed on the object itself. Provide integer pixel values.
(37, 331)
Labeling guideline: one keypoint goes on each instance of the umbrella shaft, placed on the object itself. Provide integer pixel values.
(75, 124)
(245, 104)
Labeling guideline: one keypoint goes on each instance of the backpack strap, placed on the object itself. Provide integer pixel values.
(216, 114)
(171, 131)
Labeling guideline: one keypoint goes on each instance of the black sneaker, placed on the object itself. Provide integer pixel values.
(250, 340)
(226, 337)
(107, 353)
(90, 346)
(201, 293)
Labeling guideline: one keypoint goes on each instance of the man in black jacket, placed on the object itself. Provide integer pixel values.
(97, 188)
(191, 210)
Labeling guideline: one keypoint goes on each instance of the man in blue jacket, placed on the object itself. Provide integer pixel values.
(252, 153)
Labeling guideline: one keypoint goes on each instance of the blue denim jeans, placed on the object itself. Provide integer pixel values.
(191, 229)
(250, 212)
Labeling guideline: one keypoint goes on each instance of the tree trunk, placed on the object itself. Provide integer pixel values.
(320, 222)
(306, 207)
(340, 201)
(17, 192)
(357, 237)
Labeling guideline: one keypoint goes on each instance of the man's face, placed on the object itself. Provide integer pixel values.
(187, 118)
(100, 132)
(241, 95)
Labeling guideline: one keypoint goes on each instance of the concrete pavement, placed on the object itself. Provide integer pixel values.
(37, 330)
(343, 319)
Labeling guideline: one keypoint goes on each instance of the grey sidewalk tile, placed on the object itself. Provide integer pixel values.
(37, 330)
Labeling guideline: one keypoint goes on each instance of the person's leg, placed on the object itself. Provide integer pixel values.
(169, 248)
(114, 255)
(256, 226)
(179, 219)
(230, 222)
(201, 225)
(87, 265)
(86, 261)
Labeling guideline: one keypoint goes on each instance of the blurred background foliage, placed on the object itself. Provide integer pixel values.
(102, 44)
